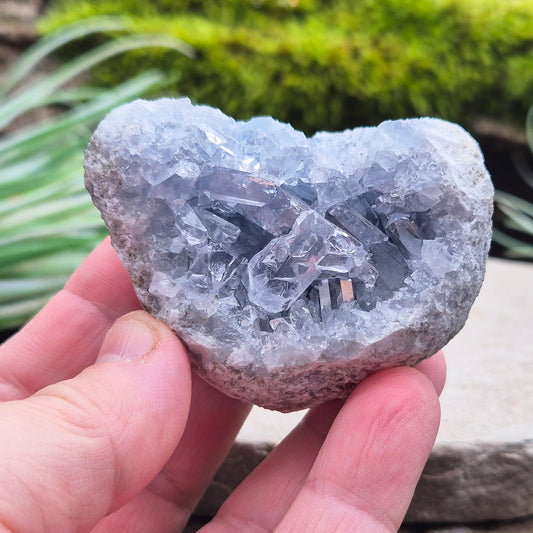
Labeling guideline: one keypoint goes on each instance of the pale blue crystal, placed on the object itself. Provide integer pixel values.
(275, 256)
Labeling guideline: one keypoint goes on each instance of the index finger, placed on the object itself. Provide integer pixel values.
(65, 336)
(367, 469)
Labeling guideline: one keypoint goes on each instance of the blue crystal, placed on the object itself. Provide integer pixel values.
(288, 263)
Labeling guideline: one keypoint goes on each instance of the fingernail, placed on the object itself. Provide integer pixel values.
(127, 340)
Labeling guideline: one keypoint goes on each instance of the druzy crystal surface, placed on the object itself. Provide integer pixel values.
(293, 267)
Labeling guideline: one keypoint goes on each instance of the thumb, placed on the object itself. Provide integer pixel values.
(79, 449)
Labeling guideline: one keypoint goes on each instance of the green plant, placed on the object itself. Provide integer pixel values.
(334, 64)
(47, 221)
(517, 215)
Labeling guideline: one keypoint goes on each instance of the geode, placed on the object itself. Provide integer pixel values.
(293, 267)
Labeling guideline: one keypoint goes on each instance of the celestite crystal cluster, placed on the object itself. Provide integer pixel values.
(293, 267)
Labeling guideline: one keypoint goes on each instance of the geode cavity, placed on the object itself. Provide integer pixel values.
(293, 267)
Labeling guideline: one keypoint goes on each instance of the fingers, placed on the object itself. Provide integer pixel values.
(368, 466)
(360, 476)
(79, 449)
(166, 504)
(66, 335)
(435, 369)
(271, 488)
(214, 421)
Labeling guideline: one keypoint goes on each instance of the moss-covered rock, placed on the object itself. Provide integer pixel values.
(331, 64)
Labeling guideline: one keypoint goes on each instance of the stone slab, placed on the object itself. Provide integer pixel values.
(482, 465)
(516, 526)
(481, 468)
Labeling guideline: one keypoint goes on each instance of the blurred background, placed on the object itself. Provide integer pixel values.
(318, 64)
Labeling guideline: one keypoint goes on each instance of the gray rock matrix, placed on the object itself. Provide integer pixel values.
(293, 267)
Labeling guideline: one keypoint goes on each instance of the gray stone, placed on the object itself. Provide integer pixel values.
(482, 465)
(515, 526)
(17, 22)
(469, 482)
(293, 267)
(518, 526)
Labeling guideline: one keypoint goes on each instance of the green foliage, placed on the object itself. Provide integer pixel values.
(333, 64)
(517, 214)
(518, 218)
(47, 221)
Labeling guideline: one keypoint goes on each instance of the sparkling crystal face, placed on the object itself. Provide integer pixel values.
(265, 250)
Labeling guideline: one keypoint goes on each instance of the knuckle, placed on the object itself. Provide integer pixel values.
(98, 414)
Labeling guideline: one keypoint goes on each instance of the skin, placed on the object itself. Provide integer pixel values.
(105, 428)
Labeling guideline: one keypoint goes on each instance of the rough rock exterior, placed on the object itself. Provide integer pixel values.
(294, 267)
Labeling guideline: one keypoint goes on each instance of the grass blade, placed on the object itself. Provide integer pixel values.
(515, 248)
(45, 46)
(513, 202)
(18, 145)
(14, 314)
(529, 128)
(47, 221)
(14, 289)
(517, 220)
(39, 92)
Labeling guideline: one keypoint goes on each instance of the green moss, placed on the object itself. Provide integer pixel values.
(333, 64)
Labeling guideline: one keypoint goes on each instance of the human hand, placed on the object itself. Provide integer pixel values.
(104, 428)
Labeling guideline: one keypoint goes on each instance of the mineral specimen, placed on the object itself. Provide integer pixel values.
(293, 267)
